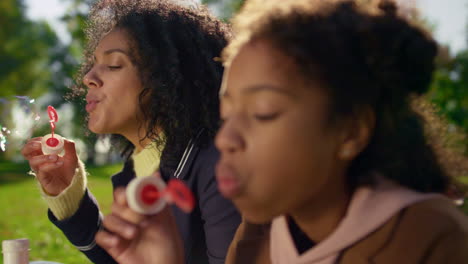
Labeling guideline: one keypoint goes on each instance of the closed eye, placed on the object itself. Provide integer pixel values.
(113, 68)
(266, 117)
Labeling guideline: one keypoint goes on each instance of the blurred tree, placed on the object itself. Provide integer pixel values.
(24, 51)
(225, 9)
(35, 62)
(449, 91)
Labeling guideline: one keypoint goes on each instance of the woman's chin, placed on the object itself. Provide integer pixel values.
(94, 127)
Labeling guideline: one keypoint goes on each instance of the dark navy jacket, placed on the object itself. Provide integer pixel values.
(206, 232)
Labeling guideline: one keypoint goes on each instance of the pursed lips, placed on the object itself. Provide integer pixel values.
(92, 103)
(229, 183)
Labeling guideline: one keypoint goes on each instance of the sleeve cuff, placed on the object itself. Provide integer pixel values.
(67, 202)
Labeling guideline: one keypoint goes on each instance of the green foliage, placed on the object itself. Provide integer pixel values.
(24, 51)
(449, 91)
(35, 62)
(225, 9)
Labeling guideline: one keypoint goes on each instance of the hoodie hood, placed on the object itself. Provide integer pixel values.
(369, 209)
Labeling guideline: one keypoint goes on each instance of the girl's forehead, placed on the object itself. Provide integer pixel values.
(260, 64)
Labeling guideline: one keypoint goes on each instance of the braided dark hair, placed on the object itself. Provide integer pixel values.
(370, 57)
(174, 47)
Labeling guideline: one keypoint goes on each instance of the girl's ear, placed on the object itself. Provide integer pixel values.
(356, 134)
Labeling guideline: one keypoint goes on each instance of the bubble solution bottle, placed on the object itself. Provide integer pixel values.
(15, 251)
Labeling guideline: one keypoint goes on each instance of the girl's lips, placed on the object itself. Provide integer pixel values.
(228, 181)
(91, 105)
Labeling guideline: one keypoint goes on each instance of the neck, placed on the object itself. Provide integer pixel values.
(140, 145)
(318, 219)
(135, 138)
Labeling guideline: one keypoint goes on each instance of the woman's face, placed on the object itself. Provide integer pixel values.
(114, 86)
(278, 149)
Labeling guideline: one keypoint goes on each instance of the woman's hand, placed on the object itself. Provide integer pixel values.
(132, 238)
(53, 172)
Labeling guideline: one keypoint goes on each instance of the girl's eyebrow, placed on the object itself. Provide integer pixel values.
(265, 87)
(259, 88)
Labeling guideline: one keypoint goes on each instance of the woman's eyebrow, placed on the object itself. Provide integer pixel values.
(110, 51)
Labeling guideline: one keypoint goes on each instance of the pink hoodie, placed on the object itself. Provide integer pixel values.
(369, 209)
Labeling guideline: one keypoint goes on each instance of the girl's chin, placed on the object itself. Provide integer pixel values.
(254, 214)
(256, 217)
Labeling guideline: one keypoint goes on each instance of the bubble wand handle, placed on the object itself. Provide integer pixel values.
(52, 143)
(53, 118)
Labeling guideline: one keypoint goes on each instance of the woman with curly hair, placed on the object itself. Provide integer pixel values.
(150, 80)
(321, 149)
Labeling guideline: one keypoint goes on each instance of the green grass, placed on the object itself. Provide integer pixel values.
(24, 213)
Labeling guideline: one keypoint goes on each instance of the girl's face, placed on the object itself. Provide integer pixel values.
(114, 86)
(278, 148)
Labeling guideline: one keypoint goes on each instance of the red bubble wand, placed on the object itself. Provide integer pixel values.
(52, 143)
(149, 195)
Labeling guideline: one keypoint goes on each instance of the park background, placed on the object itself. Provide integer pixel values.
(41, 43)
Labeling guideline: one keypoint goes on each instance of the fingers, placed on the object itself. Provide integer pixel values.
(70, 150)
(120, 208)
(119, 226)
(38, 163)
(50, 167)
(32, 148)
(113, 244)
(39, 160)
(106, 239)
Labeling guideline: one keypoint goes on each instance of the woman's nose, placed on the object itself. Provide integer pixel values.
(91, 80)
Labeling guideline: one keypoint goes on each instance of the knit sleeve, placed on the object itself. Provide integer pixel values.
(67, 202)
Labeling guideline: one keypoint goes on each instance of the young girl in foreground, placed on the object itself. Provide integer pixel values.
(320, 139)
(320, 142)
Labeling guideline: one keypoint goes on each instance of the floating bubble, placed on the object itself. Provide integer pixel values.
(3, 141)
(20, 112)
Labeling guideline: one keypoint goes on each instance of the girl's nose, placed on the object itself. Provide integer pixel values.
(229, 139)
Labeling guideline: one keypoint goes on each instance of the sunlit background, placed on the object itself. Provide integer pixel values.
(40, 47)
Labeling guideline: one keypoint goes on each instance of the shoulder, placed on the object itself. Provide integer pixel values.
(421, 233)
(123, 177)
(204, 166)
(251, 242)
(438, 215)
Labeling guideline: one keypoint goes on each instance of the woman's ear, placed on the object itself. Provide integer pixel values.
(356, 134)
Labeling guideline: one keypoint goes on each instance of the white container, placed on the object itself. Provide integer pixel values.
(48, 149)
(135, 196)
(15, 251)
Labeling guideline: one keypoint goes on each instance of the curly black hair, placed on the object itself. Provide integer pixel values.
(174, 48)
(369, 56)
